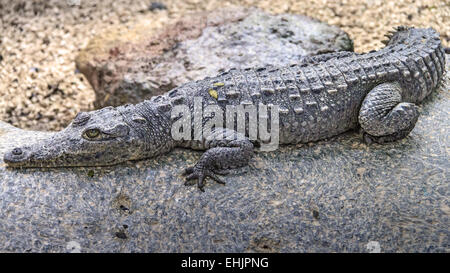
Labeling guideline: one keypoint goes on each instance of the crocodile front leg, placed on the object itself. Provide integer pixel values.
(384, 117)
(226, 149)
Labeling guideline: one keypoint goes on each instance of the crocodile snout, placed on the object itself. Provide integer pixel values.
(16, 156)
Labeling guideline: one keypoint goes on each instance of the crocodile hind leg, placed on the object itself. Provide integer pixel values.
(384, 117)
(226, 149)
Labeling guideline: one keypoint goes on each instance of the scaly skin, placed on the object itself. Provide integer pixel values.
(320, 97)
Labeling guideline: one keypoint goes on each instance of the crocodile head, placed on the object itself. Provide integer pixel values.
(103, 137)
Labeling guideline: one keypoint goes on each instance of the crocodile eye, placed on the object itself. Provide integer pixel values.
(92, 133)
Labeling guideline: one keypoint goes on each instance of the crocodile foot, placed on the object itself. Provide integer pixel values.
(200, 174)
(384, 117)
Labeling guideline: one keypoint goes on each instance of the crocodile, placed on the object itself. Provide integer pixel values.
(317, 98)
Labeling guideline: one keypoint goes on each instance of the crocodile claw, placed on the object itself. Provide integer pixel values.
(200, 174)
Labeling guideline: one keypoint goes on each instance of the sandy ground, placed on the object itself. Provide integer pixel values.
(40, 88)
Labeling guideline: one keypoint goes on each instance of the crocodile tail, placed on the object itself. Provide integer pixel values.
(420, 57)
(398, 35)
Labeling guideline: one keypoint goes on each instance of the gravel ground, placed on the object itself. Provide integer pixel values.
(40, 88)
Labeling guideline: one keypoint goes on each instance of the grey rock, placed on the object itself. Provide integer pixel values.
(335, 195)
(258, 40)
(131, 67)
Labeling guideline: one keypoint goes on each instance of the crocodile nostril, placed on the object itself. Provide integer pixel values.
(17, 151)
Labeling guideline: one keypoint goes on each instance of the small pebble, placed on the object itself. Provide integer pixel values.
(157, 6)
(121, 235)
(315, 214)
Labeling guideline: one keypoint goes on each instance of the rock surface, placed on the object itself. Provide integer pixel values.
(133, 65)
(335, 195)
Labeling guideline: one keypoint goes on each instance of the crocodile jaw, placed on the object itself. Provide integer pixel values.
(64, 150)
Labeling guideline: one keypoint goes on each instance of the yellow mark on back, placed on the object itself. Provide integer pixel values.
(218, 84)
(213, 93)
